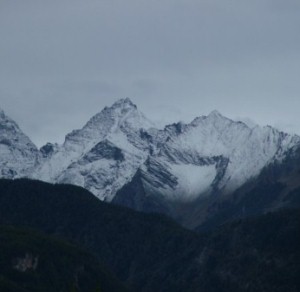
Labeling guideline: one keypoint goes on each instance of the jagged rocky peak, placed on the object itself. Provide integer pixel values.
(215, 114)
(124, 103)
(114, 138)
(6, 123)
(9, 130)
(213, 117)
(117, 113)
(123, 114)
(17, 153)
(120, 107)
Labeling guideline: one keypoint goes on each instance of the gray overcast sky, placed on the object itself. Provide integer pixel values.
(62, 61)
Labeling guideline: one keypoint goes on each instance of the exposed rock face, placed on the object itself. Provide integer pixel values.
(28, 262)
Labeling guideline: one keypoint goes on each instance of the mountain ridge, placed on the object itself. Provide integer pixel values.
(182, 162)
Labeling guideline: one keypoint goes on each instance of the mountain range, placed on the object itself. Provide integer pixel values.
(121, 157)
(236, 187)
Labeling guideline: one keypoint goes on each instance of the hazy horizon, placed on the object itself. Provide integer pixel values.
(63, 61)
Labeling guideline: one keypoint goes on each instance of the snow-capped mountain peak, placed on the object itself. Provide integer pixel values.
(121, 112)
(17, 153)
(124, 103)
(122, 118)
(80, 159)
(184, 161)
(212, 154)
(8, 122)
(213, 117)
(215, 114)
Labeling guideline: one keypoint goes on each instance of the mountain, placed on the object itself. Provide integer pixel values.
(148, 252)
(180, 163)
(18, 155)
(277, 186)
(103, 155)
(122, 158)
(207, 159)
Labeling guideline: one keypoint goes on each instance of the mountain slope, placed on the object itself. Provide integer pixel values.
(152, 253)
(30, 261)
(248, 150)
(257, 254)
(18, 155)
(277, 186)
(204, 160)
(141, 249)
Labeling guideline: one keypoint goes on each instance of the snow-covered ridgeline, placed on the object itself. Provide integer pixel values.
(180, 162)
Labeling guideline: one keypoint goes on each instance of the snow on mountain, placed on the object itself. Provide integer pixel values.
(18, 155)
(182, 162)
(211, 154)
(247, 121)
(88, 156)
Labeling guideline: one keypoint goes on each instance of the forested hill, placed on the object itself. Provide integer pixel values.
(31, 261)
(151, 252)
